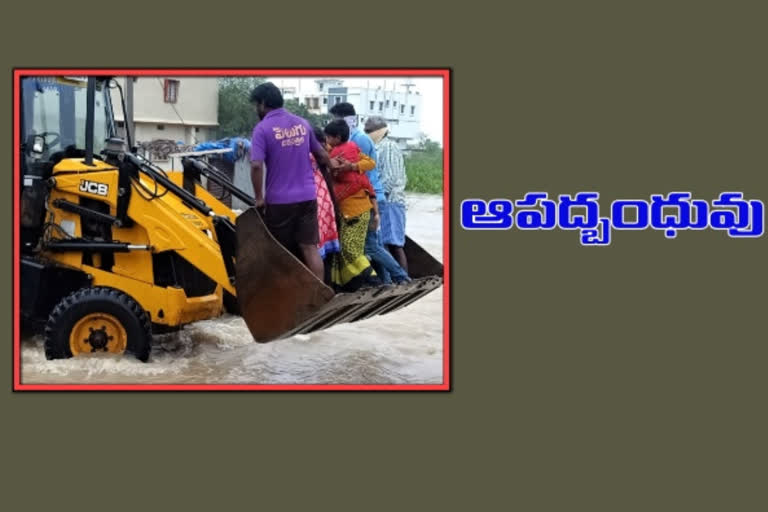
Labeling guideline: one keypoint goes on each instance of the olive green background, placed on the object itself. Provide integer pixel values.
(631, 377)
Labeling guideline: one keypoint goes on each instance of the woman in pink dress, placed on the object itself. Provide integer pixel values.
(326, 214)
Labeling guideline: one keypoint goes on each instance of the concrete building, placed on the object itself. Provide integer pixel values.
(397, 101)
(314, 96)
(183, 109)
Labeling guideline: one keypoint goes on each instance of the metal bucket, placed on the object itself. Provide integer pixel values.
(279, 296)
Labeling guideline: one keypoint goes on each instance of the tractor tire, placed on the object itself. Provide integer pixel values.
(98, 319)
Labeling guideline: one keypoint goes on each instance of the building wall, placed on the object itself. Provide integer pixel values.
(150, 131)
(197, 105)
(401, 110)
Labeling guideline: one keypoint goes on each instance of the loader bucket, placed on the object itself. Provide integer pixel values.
(279, 297)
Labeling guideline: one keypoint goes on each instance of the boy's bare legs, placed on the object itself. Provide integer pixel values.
(399, 254)
(312, 259)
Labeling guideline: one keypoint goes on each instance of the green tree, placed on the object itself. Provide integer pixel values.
(431, 147)
(428, 145)
(301, 110)
(424, 166)
(236, 115)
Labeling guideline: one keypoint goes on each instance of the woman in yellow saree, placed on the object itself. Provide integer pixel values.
(350, 269)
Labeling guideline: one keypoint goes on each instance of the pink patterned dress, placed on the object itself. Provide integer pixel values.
(326, 216)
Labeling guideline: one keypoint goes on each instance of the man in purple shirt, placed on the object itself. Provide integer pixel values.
(283, 142)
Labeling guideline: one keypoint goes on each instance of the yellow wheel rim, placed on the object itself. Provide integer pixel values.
(97, 332)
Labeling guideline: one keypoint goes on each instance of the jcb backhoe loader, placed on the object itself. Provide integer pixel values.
(114, 249)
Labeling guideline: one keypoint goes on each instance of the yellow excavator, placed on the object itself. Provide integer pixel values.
(114, 249)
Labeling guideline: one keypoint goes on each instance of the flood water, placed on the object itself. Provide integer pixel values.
(404, 347)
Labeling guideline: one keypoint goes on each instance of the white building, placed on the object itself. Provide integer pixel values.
(397, 101)
(314, 95)
(183, 109)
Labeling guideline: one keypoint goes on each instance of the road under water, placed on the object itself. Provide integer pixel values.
(404, 347)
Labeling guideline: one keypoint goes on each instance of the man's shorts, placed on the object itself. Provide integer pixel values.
(392, 223)
(293, 224)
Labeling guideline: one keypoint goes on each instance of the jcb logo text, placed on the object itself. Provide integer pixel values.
(92, 187)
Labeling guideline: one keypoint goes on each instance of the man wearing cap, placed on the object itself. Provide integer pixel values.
(388, 269)
(393, 179)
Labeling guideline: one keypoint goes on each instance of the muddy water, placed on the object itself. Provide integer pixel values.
(403, 347)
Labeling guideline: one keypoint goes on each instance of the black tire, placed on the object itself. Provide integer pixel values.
(75, 306)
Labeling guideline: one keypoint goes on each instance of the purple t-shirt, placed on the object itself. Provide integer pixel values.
(283, 141)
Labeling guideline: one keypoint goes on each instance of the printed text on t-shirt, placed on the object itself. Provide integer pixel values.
(293, 136)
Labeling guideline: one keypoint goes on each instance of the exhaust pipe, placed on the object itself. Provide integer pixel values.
(89, 115)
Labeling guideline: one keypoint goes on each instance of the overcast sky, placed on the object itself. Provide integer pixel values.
(431, 89)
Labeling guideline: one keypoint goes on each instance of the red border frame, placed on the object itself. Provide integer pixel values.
(444, 73)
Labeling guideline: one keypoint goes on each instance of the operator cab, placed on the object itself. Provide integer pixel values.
(53, 127)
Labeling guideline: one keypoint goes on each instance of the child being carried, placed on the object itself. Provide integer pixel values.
(346, 182)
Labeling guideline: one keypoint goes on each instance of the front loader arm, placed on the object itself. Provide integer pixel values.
(171, 225)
